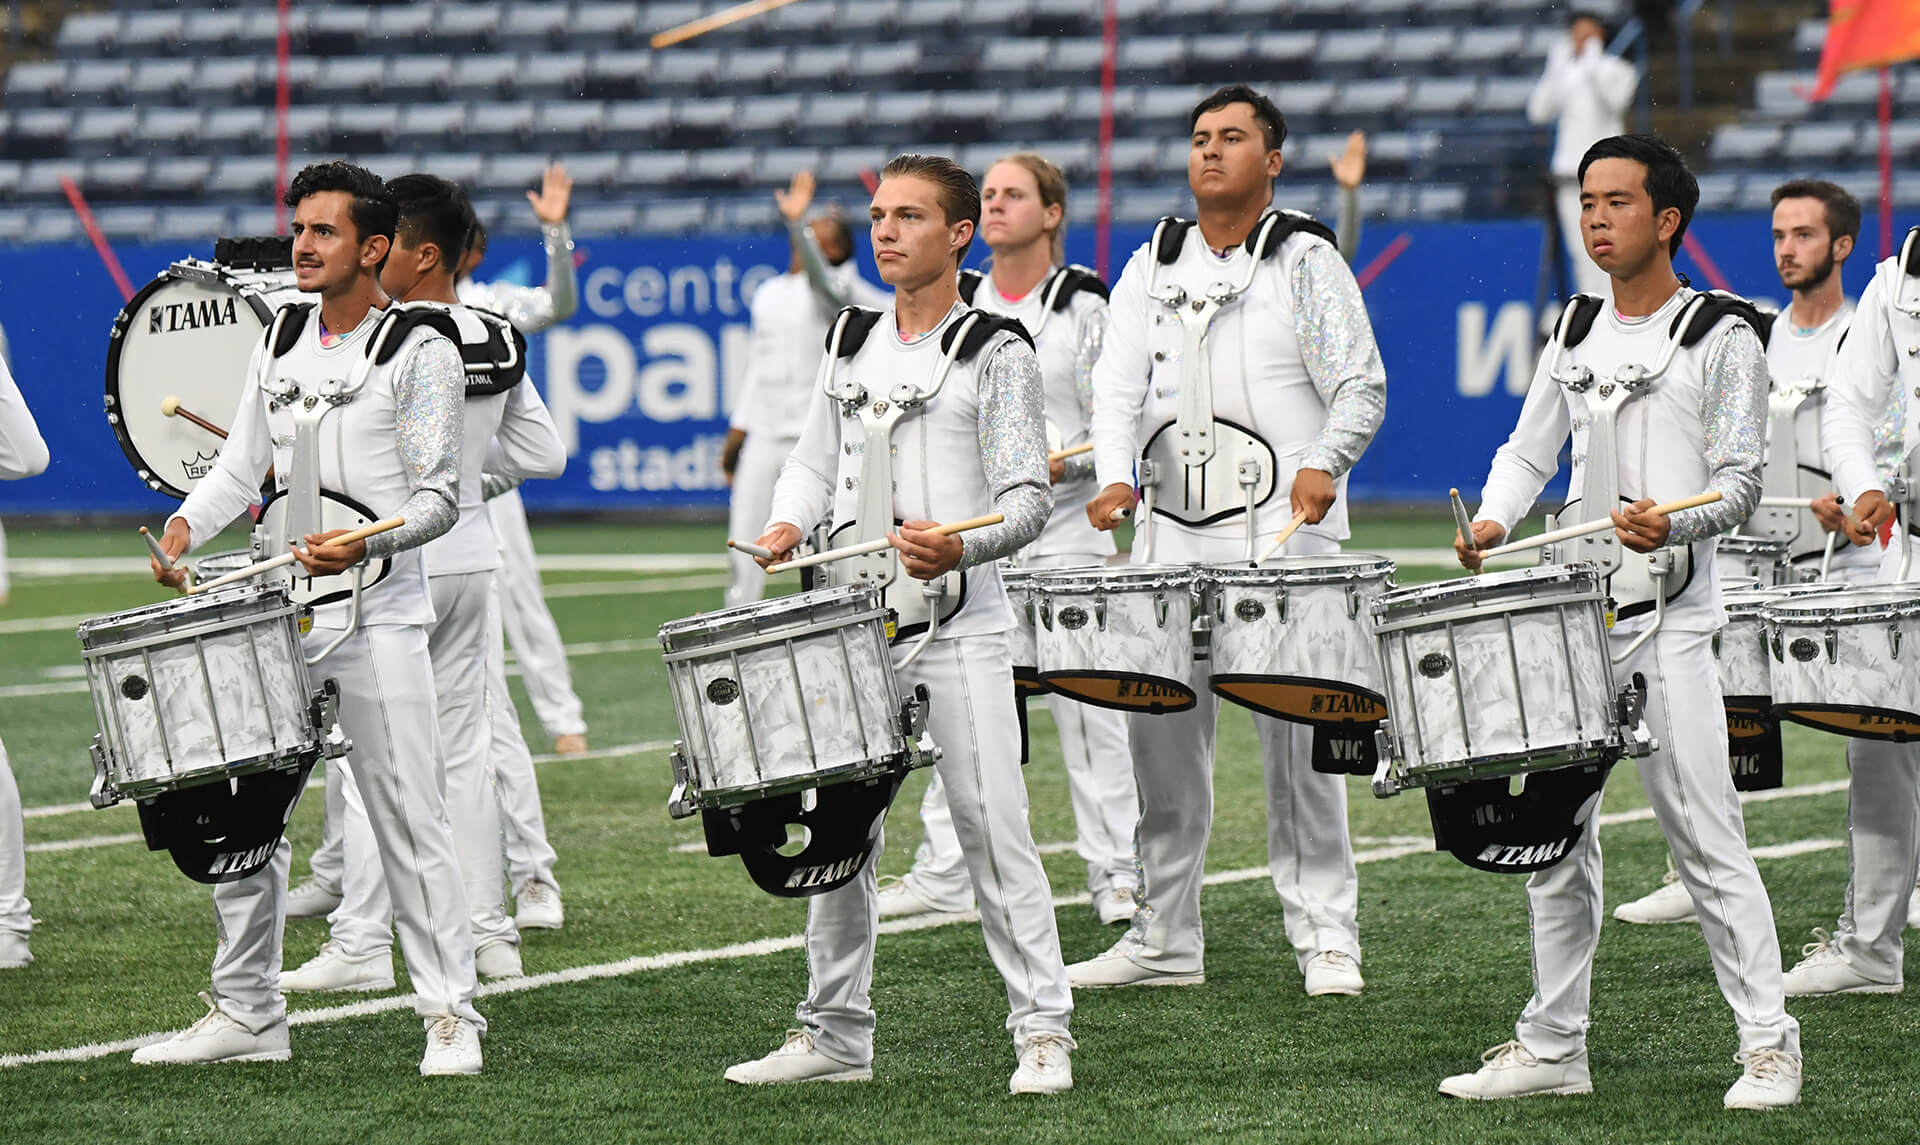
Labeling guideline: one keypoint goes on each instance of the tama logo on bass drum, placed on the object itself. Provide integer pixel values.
(171, 317)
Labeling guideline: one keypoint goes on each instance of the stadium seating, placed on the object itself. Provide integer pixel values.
(168, 103)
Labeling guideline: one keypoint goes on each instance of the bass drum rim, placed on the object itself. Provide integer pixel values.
(116, 342)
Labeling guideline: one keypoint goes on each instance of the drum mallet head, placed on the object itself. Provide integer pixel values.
(170, 406)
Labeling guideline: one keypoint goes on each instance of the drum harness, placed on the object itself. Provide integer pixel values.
(873, 514)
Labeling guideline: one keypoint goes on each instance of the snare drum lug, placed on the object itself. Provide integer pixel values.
(103, 793)
(1202, 638)
(1159, 610)
(1280, 606)
(1774, 646)
(1353, 601)
(1833, 646)
(1100, 611)
(1893, 640)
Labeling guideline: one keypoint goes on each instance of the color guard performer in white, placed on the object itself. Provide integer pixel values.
(23, 453)
(956, 397)
(1584, 93)
(1291, 368)
(1023, 203)
(390, 439)
(1699, 425)
(509, 432)
(1872, 426)
(1815, 225)
(787, 323)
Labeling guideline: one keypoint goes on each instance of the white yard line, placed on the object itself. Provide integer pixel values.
(85, 844)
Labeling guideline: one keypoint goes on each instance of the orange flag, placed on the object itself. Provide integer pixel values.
(1866, 34)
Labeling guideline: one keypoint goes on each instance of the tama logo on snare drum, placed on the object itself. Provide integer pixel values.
(1143, 690)
(822, 873)
(1497, 855)
(239, 860)
(1341, 704)
(172, 317)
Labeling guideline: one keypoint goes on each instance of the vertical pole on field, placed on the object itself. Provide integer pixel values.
(1886, 163)
(1103, 220)
(282, 99)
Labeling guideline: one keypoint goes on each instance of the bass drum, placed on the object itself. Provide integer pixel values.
(187, 335)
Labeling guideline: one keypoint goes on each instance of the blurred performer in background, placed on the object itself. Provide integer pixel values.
(788, 319)
(1349, 168)
(1292, 359)
(22, 454)
(1815, 225)
(1585, 94)
(6, 359)
(1023, 203)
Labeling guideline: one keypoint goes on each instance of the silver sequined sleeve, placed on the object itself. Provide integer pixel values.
(428, 423)
(1088, 337)
(1013, 452)
(1733, 411)
(1336, 342)
(534, 308)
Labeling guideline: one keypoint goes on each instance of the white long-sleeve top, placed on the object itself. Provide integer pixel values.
(1294, 359)
(1867, 424)
(23, 452)
(1794, 356)
(1700, 426)
(1585, 96)
(532, 308)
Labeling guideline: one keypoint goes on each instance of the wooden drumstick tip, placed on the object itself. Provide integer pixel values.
(170, 406)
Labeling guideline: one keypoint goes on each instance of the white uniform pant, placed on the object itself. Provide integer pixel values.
(1883, 838)
(1093, 744)
(457, 644)
(1693, 800)
(1587, 277)
(387, 710)
(748, 506)
(15, 912)
(971, 682)
(530, 628)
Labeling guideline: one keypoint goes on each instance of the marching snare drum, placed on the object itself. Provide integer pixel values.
(1118, 637)
(1500, 674)
(188, 334)
(1026, 651)
(202, 689)
(220, 564)
(1848, 661)
(1763, 560)
(1292, 638)
(1740, 651)
(785, 695)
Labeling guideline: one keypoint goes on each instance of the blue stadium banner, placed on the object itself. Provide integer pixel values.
(642, 378)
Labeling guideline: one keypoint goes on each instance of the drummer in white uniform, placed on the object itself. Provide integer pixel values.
(1292, 360)
(23, 453)
(1023, 203)
(1872, 427)
(1815, 226)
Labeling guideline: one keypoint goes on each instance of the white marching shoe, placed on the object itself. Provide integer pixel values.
(1333, 972)
(311, 900)
(1113, 967)
(1046, 1065)
(1771, 1080)
(897, 899)
(796, 1060)
(453, 1048)
(1669, 902)
(499, 959)
(1824, 969)
(1114, 905)
(537, 906)
(1509, 1070)
(14, 954)
(217, 1038)
(333, 969)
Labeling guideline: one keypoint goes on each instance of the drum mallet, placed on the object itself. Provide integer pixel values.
(171, 406)
(865, 547)
(287, 558)
(1572, 531)
(1461, 522)
(1299, 519)
(751, 549)
(1070, 451)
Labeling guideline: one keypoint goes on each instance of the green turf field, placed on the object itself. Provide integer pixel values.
(633, 1051)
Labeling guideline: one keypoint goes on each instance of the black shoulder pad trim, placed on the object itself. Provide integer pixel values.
(1719, 304)
(1070, 280)
(981, 332)
(1910, 253)
(1763, 325)
(1578, 318)
(498, 364)
(1169, 236)
(404, 320)
(970, 281)
(1290, 224)
(287, 326)
(860, 323)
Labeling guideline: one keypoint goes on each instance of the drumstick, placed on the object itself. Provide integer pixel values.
(680, 33)
(751, 549)
(1299, 519)
(287, 558)
(1785, 502)
(1572, 531)
(153, 546)
(1070, 451)
(865, 547)
(1461, 522)
(171, 406)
